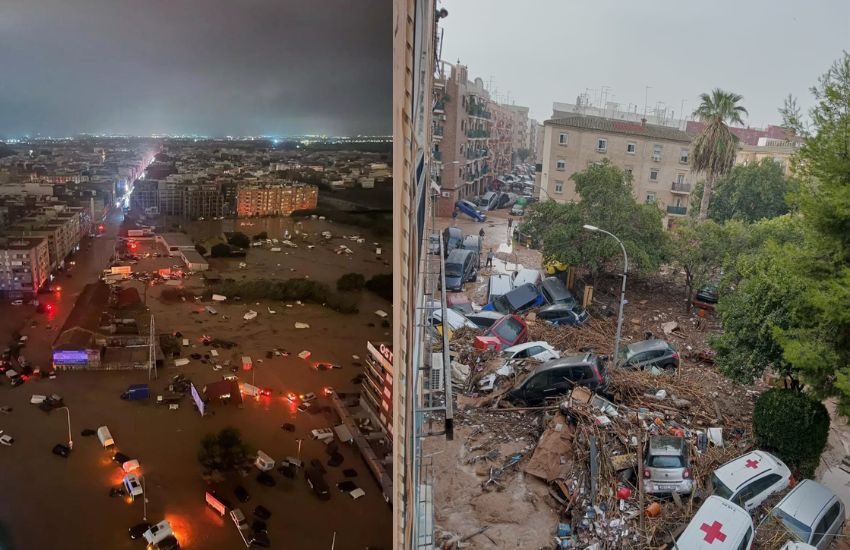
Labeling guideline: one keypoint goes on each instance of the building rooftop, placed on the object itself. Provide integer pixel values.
(20, 243)
(610, 126)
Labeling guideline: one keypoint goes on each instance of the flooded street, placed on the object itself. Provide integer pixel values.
(71, 495)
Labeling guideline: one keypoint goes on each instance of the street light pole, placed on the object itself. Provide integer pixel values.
(622, 289)
(70, 439)
(144, 500)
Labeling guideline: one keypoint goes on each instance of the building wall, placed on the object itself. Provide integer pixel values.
(24, 267)
(274, 200)
(520, 127)
(581, 151)
(753, 154)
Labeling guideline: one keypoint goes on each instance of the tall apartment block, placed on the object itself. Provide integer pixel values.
(655, 156)
(24, 266)
(275, 199)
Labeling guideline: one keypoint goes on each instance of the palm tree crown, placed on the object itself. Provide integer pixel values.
(713, 150)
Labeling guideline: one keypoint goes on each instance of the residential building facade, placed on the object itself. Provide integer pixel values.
(779, 151)
(519, 127)
(275, 199)
(24, 266)
(656, 158)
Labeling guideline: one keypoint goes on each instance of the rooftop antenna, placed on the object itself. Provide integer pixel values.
(646, 100)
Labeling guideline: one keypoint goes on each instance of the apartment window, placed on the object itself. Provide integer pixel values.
(656, 152)
(680, 179)
(650, 198)
(683, 156)
(561, 165)
(631, 148)
(653, 175)
(602, 145)
(559, 186)
(563, 138)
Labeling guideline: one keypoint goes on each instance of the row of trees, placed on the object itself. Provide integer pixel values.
(778, 246)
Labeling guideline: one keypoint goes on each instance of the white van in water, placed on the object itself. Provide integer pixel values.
(263, 462)
(105, 437)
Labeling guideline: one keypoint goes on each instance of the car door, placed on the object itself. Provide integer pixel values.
(759, 490)
(537, 388)
(827, 527)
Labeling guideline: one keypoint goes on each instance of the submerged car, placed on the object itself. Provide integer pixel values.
(647, 354)
(667, 467)
(519, 299)
(559, 376)
(541, 351)
(812, 513)
(563, 314)
(750, 479)
(510, 330)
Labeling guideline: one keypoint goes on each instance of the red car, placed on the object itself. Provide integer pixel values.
(510, 330)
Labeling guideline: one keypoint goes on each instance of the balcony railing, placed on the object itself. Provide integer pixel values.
(439, 107)
(438, 131)
(677, 210)
(681, 187)
(474, 134)
(478, 111)
(438, 155)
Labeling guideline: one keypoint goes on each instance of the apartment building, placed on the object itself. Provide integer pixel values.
(502, 140)
(656, 157)
(377, 385)
(779, 151)
(463, 115)
(62, 232)
(24, 266)
(519, 127)
(275, 199)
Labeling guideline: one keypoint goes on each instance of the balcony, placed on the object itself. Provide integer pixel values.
(677, 210)
(439, 107)
(680, 188)
(438, 156)
(477, 134)
(478, 111)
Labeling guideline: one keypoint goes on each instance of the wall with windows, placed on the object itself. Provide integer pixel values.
(659, 168)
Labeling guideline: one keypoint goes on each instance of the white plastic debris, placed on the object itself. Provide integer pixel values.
(302, 325)
(381, 313)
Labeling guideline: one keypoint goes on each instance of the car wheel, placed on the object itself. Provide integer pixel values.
(669, 366)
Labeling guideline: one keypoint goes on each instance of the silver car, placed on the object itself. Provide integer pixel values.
(812, 513)
(667, 467)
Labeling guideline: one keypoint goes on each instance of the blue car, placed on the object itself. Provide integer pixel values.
(517, 300)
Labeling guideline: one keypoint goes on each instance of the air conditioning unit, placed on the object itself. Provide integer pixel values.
(446, 194)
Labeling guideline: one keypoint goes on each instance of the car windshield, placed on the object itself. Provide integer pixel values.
(502, 304)
(452, 270)
(666, 461)
(720, 489)
(795, 526)
(509, 330)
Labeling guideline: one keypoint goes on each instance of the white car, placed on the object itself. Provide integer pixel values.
(307, 397)
(454, 319)
(541, 351)
(718, 525)
(6, 440)
(133, 485)
(748, 480)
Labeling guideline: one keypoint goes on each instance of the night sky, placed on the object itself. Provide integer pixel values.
(208, 67)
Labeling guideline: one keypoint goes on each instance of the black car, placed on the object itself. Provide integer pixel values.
(61, 450)
(559, 376)
(138, 530)
(259, 539)
(265, 479)
(168, 543)
(120, 458)
(259, 526)
(707, 294)
(241, 494)
(316, 482)
(262, 512)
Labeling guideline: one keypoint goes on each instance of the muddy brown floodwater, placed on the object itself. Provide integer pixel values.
(51, 502)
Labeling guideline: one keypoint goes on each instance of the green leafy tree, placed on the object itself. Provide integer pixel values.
(818, 342)
(792, 425)
(713, 150)
(224, 451)
(792, 117)
(220, 250)
(606, 202)
(698, 249)
(351, 282)
(382, 285)
(750, 193)
(239, 239)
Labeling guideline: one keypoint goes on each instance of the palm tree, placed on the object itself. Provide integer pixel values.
(713, 151)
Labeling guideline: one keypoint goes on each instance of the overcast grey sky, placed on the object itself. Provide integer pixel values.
(215, 67)
(542, 51)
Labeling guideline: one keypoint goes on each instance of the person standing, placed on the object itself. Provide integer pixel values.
(489, 258)
(510, 222)
(481, 233)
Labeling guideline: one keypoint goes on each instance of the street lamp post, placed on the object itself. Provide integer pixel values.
(70, 439)
(144, 500)
(622, 290)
